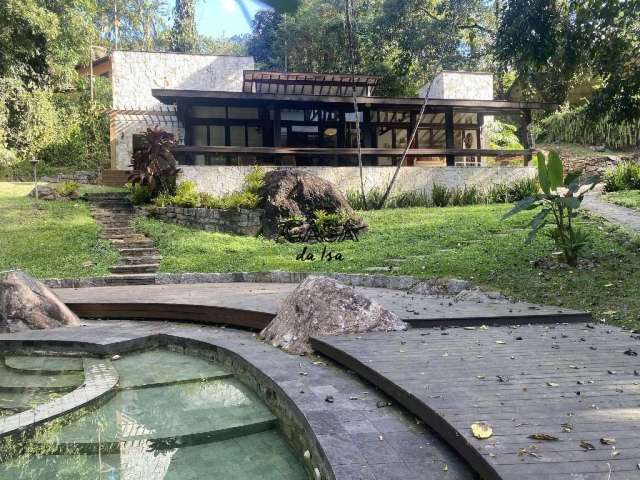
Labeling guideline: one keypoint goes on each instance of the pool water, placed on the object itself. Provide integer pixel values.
(172, 416)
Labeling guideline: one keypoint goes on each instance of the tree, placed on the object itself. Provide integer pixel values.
(184, 35)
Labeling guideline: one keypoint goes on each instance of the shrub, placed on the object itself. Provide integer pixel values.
(328, 224)
(238, 200)
(440, 195)
(502, 136)
(163, 200)
(373, 198)
(67, 189)
(210, 201)
(154, 164)
(498, 193)
(523, 188)
(623, 176)
(414, 198)
(467, 195)
(254, 181)
(139, 194)
(561, 199)
(186, 195)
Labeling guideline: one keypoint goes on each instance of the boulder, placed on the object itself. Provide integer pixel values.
(45, 192)
(322, 306)
(27, 304)
(288, 192)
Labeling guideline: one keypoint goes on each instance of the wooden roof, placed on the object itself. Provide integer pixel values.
(304, 83)
(408, 103)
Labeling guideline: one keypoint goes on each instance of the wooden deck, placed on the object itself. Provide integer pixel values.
(253, 305)
(577, 383)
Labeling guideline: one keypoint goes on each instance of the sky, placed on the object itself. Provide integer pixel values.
(217, 18)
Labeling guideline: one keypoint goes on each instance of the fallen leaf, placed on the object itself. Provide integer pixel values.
(566, 427)
(631, 353)
(500, 342)
(607, 441)
(608, 285)
(587, 446)
(551, 384)
(481, 430)
(543, 436)
(445, 468)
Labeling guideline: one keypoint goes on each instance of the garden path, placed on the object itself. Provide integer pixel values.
(623, 216)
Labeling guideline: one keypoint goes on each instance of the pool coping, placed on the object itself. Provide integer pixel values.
(100, 378)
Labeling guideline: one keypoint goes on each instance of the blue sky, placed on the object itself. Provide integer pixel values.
(218, 18)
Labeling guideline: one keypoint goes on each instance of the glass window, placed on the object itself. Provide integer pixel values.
(292, 115)
(424, 138)
(236, 136)
(385, 138)
(216, 135)
(254, 137)
(394, 117)
(208, 112)
(439, 139)
(243, 113)
(401, 138)
(433, 118)
(199, 135)
(470, 118)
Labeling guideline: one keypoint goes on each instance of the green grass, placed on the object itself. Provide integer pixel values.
(51, 238)
(625, 198)
(464, 242)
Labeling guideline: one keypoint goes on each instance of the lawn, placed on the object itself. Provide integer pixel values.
(50, 239)
(464, 242)
(625, 198)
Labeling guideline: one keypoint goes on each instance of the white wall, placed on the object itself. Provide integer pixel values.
(135, 74)
(460, 86)
(225, 179)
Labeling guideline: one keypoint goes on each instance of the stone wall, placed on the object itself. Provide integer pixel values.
(135, 74)
(241, 222)
(226, 179)
(84, 177)
(594, 167)
(461, 86)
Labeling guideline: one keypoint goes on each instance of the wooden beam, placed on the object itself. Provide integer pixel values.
(526, 135)
(449, 136)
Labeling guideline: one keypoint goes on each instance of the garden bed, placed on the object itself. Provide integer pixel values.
(239, 221)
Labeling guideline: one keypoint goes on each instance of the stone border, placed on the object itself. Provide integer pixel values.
(355, 280)
(241, 222)
(100, 378)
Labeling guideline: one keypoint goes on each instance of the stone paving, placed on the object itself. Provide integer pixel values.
(351, 430)
(626, 217)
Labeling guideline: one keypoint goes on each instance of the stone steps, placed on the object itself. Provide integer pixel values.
(149, 268)
(138, 255)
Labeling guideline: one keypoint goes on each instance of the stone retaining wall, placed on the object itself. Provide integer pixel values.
(241, 222)
(84, 177)
(595, 166)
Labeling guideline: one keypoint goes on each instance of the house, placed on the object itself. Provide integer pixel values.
(225, 113)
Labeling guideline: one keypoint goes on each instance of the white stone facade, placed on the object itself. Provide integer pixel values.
(135, 74)
(220, 180)
(460, 86)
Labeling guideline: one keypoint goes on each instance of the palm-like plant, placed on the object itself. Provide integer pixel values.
(154, 164)
(559, 201)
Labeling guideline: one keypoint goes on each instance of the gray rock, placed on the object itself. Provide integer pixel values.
(477, 295)
(322, 306)
(432, 286)
(455, 286)
(27, 304)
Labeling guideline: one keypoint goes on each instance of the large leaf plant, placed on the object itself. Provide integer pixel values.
(154, 165)
(558, 202)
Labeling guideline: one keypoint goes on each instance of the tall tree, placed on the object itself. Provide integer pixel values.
(184, 35)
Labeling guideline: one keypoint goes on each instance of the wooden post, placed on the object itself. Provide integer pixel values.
(276, 126)
(525, 134)
(448, 121)
(480, 135)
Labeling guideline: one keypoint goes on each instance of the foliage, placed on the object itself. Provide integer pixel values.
(440, 195)
(467, 195)
(373, 198)
(254, 181)
(623, 176)
(186, 195)
(237, 200)
(625, 198)
(209, 201)
(184, 34)
(413, 198)
(154, 164)
(67, 189)
(561, 198)
(163, 200)
(502, 136)
(553, 45)
(328, 224)
(139, 194)
(575, 125)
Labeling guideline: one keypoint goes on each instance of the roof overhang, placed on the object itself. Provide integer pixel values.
(205, 97)
(301, 83)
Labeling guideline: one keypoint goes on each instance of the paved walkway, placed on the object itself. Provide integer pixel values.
(627, 217)
(577, 385)
(255, 304)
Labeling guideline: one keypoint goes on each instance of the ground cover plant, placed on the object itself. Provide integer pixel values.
(623, 176)
(50, 238)
(625, 198)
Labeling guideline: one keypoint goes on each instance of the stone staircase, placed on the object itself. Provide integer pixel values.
(139, 259)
